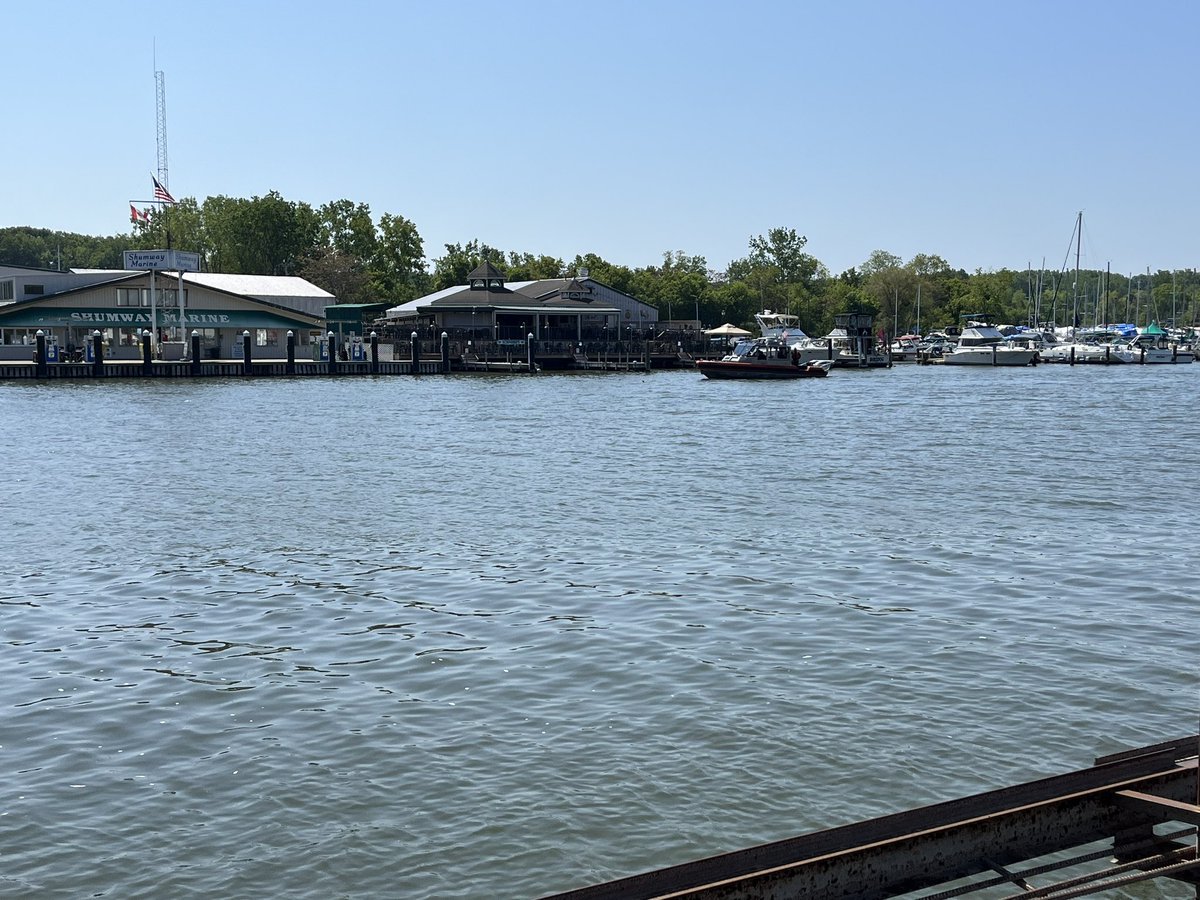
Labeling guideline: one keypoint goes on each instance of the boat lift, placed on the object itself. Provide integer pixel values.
(1130, 817)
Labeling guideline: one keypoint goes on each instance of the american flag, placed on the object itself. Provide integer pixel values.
(160, 192)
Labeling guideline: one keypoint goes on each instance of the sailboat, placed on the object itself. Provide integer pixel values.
(1075, 350)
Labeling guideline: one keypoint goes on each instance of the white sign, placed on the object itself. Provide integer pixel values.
(163, 260)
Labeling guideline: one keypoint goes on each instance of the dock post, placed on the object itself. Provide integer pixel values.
(445, 352)
(97, 353)
(39, 355)
(415, 343)
(374, 353)
(290, 369)
(993, 354)
(246, 370)
(529, 351)
(147, 353)
(1072, 360)
(195, 352)
(333, 360)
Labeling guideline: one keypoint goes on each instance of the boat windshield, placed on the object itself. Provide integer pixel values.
(978, 340)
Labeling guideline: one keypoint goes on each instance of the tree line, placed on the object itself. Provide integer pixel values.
(341, 247)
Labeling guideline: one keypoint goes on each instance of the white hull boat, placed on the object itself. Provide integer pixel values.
(982, 344)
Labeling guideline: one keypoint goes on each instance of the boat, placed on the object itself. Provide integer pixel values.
(1152, 345)
(784, 326)
(850, 345)
(1097, 345)
(982, 344)
(906, 348)
(764, 357)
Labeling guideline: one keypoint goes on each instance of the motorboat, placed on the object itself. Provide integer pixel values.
(850, 345)
(906, 348)
(1095, 346)
(982, 344)
(845, 351)
(765, 357)
(784, 326)
(1152, 345)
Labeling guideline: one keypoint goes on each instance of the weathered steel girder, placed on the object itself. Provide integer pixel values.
(1120, 798)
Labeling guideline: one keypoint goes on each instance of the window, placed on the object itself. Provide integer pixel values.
(6, 290)
(35, 289)
(167, 297)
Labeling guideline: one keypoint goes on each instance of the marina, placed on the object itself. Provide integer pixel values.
(404, 498)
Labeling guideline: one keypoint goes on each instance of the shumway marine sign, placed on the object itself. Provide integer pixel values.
(163, 260)
(166, 317)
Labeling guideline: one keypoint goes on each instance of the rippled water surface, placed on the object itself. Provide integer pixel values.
(501, 636)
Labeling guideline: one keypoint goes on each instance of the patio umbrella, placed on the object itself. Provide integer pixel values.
(727, 330)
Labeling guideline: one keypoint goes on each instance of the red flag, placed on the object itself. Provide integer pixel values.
(133, 213)
(160, 192)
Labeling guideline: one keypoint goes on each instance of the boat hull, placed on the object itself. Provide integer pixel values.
(988, 357)
(738, 369)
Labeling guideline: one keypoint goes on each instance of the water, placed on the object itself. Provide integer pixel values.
(500, 636)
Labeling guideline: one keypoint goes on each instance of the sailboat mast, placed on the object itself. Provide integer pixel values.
(1075, 286)
(1107, 302)
(1173, 298)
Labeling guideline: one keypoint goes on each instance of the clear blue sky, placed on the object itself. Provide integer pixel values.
(628, 128)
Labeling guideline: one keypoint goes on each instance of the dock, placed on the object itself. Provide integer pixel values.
(414, 358)
(1130, 817)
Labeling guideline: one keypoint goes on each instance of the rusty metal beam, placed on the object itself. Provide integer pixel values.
(1165, 809)
(933, 845)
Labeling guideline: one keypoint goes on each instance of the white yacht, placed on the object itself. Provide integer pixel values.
(782, 326)
(982, 344)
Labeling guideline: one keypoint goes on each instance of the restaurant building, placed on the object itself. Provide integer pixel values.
(562, 309)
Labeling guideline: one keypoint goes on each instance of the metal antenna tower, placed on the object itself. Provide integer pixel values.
(161, 92)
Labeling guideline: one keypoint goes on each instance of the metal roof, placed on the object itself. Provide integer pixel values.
(263, 287)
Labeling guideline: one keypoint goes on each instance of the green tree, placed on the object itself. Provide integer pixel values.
(398, 268)
(783, 249)
(459, 261)
(348, 228)
(339, 273)
(527, 267)
(887, 285)
(619, 278)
